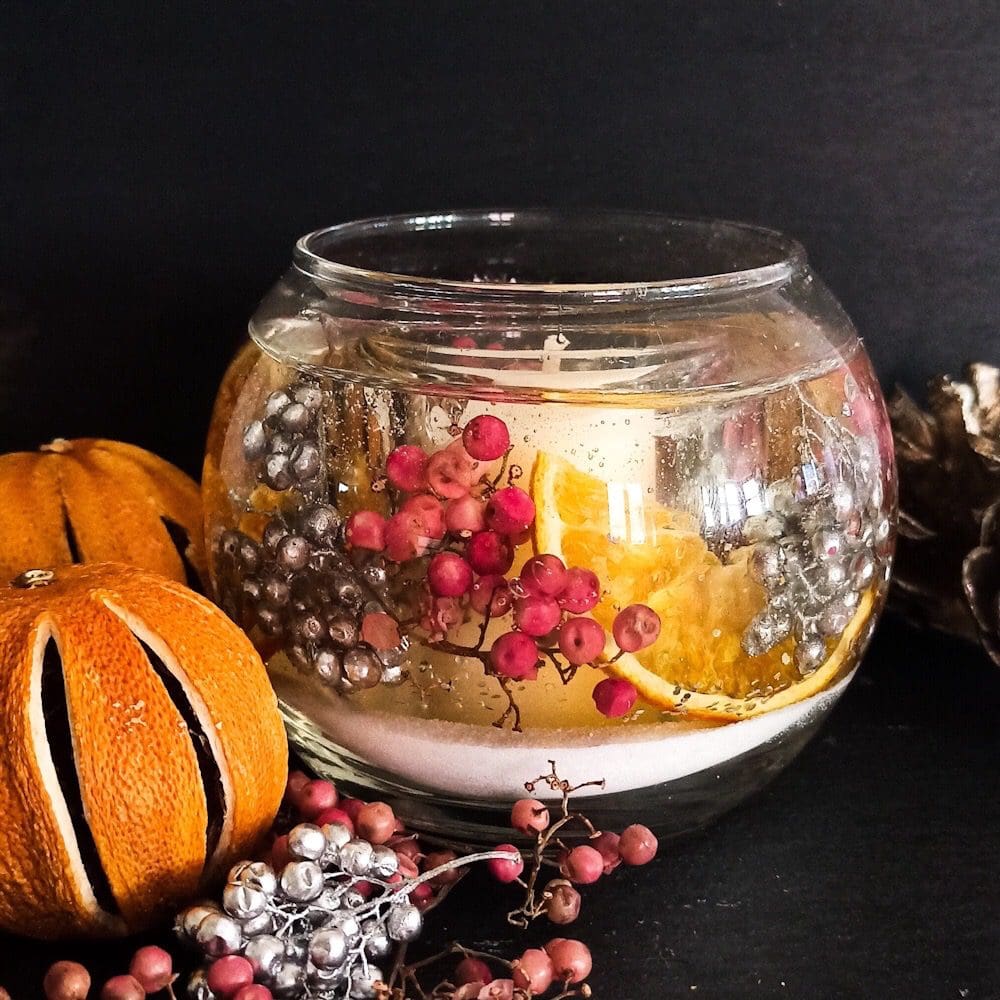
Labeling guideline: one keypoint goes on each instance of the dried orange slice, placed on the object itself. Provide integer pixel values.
(645, 553)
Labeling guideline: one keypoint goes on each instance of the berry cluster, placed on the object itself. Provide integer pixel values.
(600, 853)
(284, 444)
(150, 971)
(462, 528)
(338, 893)
(302, 592)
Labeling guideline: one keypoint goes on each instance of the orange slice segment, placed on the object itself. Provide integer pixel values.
(645, 553)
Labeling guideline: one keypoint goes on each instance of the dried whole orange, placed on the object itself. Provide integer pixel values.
(143, 749)
(90, 500)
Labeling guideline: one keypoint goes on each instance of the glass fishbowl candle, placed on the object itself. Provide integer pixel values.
(493, 489)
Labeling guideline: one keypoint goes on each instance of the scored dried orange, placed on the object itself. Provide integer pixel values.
(644, 553)
(91, 500)
(143, 749)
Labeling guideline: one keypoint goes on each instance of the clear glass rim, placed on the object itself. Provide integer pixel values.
(784, 256)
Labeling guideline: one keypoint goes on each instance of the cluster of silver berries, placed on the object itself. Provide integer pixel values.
(815, 555)
(284, 443)
(297, 585)
(317, 928)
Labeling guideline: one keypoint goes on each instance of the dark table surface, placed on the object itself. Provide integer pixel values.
(866, 870)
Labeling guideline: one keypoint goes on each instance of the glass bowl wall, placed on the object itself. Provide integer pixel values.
(695, 433)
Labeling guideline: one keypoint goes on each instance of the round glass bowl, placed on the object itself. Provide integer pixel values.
(495, 489)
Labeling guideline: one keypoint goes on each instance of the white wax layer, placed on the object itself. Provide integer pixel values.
(480, 762)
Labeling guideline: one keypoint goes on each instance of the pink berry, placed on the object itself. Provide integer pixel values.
(297, 780)
(463, 342)
(571, 959)
(504, 870)
(486, 437)
(582, 865)
(465, 515)
(254, 992)
(515, 655)
(452, 472)
(365, 529)
(510, 510)
(407, 847)
(435, 860)
(472, 970)
(403, 540)
(123, 988)
(66, 981)
(363, 887)
(380, 630)
(352, 807)
(421, 896)
(581, 640)
(427, 515)
(638, 845)
(636, 627)
(376, 822)
(315, 797)
(615, 697)
(335, 816)
(406, 468)
(408, 867)
(537, 615)
(606, 844)
(545, 575)
(489, 553)
(279, 852)
(563, 903)
(581, 592)
(491, 591)
(449, 575)
(533, 971)
(153, 967)
(228, 974)
(529, 816)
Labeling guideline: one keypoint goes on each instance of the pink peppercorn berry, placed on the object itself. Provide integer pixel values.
(66, 981)
(581, 640)
(510, 511)
(153, 967)
(448, 575)
(489, 553)
(515, 655)
(491, 591)
(582, 865)
(352, 807)
(607, 845)
(638, 845)
(380, 630)
(486, 437)
(571, 959)
(563, 903)
(544, 574)
(537, 615)
(123, 988)
(465, 515)
(228, 974)
(533, 971)
(452, 472)
(581, 592)
(406, 468)
(376, 822)
(636, 627)
(529, 816)
(615, 697)
(472, 970)
(254, 992)
(335, 815)
(365, 529)
(315, 797)
(504, 869)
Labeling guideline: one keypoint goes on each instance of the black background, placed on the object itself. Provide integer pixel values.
(157, 162)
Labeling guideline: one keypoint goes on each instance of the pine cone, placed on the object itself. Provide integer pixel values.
(947, 572)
